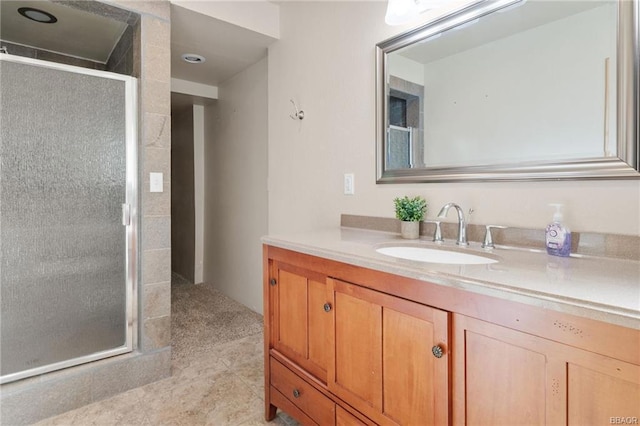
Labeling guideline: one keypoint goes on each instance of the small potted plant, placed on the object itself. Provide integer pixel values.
(410, 211)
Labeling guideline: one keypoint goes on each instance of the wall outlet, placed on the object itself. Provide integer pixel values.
(349, 184)
(156, 182)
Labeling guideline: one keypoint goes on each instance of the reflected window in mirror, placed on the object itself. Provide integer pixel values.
(405, 133)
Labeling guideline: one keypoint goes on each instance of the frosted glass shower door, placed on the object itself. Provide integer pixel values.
(67, 254)
(399, 147)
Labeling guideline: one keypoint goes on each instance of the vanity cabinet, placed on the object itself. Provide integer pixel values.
(503, 376)
(349, 345)
(299, 323)
(383, 355)
(390, 356)
(344, 418)
(315, 406)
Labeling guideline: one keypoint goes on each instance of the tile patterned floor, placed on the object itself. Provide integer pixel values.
(211, 384)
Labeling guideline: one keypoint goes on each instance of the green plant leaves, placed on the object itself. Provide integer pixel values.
(410, 209)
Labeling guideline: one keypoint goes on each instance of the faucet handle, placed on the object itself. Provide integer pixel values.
(437, 233)
(488, 240)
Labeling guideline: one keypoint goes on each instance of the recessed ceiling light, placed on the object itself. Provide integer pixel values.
(37, 15)
(192, 58)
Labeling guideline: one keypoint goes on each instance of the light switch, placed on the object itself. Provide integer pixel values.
(349, 184)
(156, 182)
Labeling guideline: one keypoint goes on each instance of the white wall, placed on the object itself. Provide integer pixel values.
(549, 97)
(325, 60)
(406, 69)
(236, 186)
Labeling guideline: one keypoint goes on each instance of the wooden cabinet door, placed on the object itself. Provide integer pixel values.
(503, 376)
(602, 390)
(383, 363)
(507, 378)
(300, 324)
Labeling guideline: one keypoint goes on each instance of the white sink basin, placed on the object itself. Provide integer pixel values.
(423, 254)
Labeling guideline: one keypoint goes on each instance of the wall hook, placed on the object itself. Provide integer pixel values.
(299, 115)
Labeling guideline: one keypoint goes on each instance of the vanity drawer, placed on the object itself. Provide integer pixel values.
(313, 403)
(344, 418)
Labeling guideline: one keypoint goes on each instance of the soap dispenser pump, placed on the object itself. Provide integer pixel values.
(557, 235)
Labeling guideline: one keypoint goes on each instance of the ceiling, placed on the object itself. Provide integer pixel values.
(77, 33)
(228, 48)
(525, 15)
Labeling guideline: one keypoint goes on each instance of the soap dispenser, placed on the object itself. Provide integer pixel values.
(557, 235)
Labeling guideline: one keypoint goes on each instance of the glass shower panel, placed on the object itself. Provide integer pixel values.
(399, 147)
(62, 242)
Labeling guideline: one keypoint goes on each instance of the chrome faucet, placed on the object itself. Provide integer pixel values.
(462, 224)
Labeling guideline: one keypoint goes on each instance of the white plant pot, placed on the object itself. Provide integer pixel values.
(410, 230)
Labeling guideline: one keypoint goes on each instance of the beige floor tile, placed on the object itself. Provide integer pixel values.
(235, 412)
(252, 374)
(241, 351)
(65, 419)
(203, 366)
(215, 381)
(259, 420)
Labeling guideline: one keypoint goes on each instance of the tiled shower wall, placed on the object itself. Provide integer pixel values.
(29, 400)
(32, 52)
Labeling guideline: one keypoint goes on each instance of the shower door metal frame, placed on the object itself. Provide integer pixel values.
(131, 229)
(409, 131)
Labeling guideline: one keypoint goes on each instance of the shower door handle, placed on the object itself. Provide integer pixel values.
(126, 214)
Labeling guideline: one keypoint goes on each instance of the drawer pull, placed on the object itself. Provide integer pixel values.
(327, 307)
(272, 281)
(437, 351)
(296, 393)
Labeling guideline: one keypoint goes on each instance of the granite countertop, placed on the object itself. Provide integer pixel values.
(604, 289)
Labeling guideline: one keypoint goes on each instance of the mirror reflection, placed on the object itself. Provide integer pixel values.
(533, 83)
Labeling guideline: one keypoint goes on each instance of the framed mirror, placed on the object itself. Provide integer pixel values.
(510, 90)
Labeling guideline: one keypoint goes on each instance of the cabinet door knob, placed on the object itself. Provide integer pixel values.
(327, 307)
(437, 351)
(272, 281)
(296, 393)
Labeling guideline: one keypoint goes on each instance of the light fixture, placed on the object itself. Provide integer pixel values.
(404, 11)
(37, 15)
(192, 58)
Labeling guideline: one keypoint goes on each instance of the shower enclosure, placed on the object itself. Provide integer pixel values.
(68, 214)
(399, 147)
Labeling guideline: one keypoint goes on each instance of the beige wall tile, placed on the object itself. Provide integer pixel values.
(156, 31)
(159, 8)
(156, 266)
(47, 398)
(156, 232)
(156, 203)
(157, 130)
(156, 96)
(157, 300)
(157, 333)
(156, 160)
(156, 63)
(135, 371)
